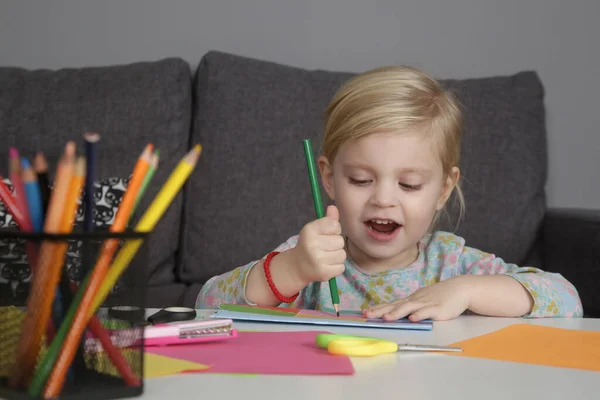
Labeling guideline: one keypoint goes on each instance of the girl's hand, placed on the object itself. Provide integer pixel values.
(441, 301)
(319, 254)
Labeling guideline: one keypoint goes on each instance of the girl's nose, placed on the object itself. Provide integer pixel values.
(384, 195)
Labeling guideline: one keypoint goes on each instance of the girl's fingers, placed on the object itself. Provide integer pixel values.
(379, 310)
(429, 312)
(334, 257)
(332, 242)
(403, 310)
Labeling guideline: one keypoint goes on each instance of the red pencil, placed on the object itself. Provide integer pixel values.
(11, 205)
(20, 218)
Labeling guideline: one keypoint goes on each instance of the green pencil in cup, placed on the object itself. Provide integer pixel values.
(314, 184)
(145, 182)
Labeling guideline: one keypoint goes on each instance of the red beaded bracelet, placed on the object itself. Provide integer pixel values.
(277, 293)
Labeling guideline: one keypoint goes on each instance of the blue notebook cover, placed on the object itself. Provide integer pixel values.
(313, 317)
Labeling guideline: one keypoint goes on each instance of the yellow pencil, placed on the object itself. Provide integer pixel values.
(150, 218)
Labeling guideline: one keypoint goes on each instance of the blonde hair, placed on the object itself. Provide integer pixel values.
(399, 99)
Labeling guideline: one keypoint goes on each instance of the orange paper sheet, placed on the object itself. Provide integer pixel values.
(534, 344)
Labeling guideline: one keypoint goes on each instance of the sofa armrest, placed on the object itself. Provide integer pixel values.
(572, 248)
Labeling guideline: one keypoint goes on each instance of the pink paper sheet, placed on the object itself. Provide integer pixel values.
(283, 353)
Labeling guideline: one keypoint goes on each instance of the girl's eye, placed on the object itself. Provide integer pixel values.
(410, 187)
(358, 182)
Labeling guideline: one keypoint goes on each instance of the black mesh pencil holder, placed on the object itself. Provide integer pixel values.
(108, 362)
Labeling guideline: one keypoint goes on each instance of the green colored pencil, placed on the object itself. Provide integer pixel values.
(314, 184)
(45, 367)
(146, 181)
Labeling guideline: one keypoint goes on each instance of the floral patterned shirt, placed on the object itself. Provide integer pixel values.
(442, 255)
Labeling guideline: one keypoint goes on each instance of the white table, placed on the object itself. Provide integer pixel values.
(400, 376)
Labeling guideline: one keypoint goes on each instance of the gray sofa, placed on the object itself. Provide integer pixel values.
(250, 190)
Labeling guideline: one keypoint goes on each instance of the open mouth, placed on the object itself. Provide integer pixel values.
(382, 226)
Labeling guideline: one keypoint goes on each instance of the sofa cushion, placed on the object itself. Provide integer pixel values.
(129, 105)
(251, 190)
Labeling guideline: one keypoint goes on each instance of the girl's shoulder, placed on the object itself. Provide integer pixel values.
(442, 242)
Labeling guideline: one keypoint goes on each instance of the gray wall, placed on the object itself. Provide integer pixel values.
(449, 38)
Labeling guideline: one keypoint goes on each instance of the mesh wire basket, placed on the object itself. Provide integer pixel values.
(108, 363)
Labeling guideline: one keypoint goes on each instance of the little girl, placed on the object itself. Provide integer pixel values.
(390, 162)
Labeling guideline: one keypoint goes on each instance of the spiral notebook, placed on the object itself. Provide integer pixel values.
(313, 317)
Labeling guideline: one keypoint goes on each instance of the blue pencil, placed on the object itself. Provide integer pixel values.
(91, 143)
(33, 195)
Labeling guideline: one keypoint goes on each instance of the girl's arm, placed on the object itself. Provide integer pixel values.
(504, 289)
(247, 284)
(497, 295)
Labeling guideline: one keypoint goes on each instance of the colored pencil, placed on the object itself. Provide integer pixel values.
(63, 291)
(34, 197)
(40, 165)
(24, 220)
(36, 213)
(41, 169)
(95, 326)
(11, 205)
(17, 182)
(66, 226)
(19, 216)
(147, 179)
(43, 286)
(34, 201)
(81, 312)
(73, 195)
(91, 143)
(91, 140)
(150, 218)
(115, 355)
(21, 201)
(318, 202)
(89, 205)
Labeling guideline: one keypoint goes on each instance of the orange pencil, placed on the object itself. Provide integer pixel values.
(45, 280)
(66, 226)
(73, 194)
(80, 321)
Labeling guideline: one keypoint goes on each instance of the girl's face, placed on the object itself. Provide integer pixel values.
(388, 188)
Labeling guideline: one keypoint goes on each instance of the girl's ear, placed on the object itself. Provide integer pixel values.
(449, 185)
(327, 176)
